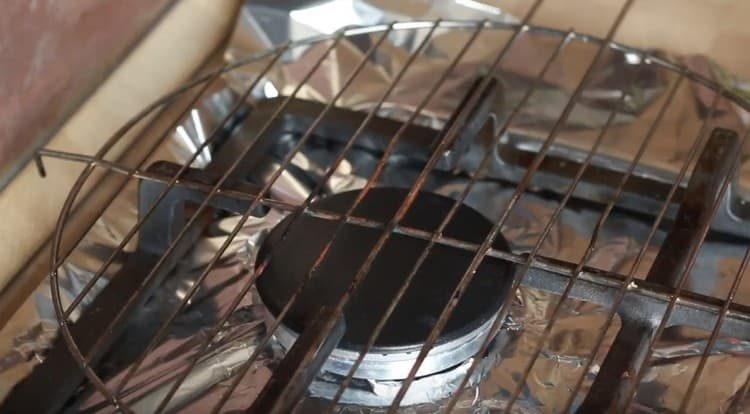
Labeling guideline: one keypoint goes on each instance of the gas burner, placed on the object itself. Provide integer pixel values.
(295, 244)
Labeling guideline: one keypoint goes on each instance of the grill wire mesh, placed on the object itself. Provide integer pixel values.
(719, 318)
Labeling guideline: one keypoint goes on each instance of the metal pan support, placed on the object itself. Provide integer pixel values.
(176, 202)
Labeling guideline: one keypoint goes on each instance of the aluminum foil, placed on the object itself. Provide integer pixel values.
(621, 238)
(559, 364)
(572, 338)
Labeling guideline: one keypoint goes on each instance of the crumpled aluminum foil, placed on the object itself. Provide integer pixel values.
(264, 26)
(573, 335)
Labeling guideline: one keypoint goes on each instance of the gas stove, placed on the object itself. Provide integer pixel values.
(305, 254)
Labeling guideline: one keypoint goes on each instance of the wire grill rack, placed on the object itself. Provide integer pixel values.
(646, 307)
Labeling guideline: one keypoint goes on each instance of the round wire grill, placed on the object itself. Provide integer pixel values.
(721, 314)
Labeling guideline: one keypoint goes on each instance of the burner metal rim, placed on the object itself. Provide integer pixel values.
(424, 390)
(395, 363)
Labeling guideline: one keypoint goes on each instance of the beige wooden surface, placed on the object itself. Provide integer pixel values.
(163, 60)
(52, 56)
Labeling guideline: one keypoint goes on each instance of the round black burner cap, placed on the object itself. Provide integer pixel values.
(293, 254)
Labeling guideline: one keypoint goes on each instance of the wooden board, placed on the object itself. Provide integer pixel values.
(171, 53)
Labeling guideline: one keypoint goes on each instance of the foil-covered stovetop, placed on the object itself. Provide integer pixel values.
(572, 336)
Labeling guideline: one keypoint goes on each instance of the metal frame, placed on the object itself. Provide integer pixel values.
(652, 303)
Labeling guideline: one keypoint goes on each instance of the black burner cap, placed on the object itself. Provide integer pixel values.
(294, 254)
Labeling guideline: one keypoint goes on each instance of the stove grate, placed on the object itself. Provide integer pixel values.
(166, 227)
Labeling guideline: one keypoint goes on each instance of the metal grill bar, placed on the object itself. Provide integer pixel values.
(214, 190)
(246, 366)
(250, 282)
(468, 275)
(142, 219)
(395, 138)
(302, 362)
(688, 303)
(715, 332)
(498, 322)
(98, 158)
(66, 385)
(445, 140)
(176, 385)
(130, 173)
(54, 287)
(257, 200)
(627, 343)
(693, 153)
(691, 301)
(289, 207)
(592, 241)
(410, 197)
(457, 203)
(613, 287)
(704, 228)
